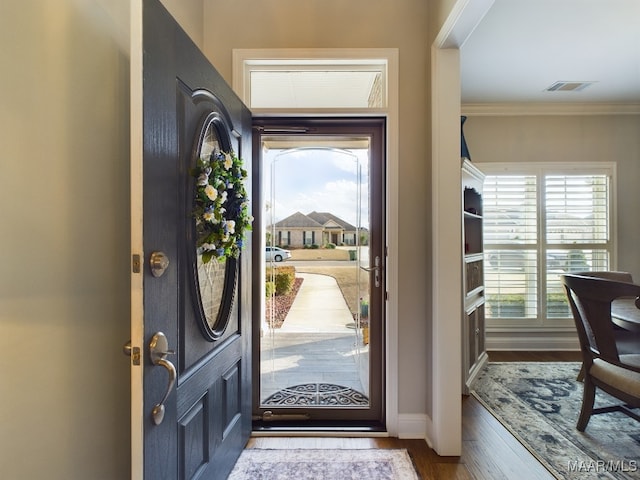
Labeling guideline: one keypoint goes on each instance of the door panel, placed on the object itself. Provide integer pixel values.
(207, 415)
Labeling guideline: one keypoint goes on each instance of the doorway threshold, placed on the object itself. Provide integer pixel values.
(332, 429)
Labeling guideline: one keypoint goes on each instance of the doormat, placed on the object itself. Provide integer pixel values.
(318, 394)
(539, 403)
(324, 464)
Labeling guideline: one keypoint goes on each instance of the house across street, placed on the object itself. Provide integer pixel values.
(316, 228)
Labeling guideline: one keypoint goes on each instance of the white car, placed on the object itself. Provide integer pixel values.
(276, 254)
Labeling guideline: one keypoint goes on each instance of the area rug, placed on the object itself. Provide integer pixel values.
(318, 394)
(324, 464)
(539, 403)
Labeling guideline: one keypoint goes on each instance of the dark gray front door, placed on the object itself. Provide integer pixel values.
(203, 315)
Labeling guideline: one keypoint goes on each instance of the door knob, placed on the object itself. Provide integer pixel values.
(158, 350)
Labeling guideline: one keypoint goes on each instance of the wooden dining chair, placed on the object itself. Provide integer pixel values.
(618, 276)
(617, 374)
(627, 341)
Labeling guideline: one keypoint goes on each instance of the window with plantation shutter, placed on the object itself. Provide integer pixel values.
(541, 221)
(510, 245)
(576, 231)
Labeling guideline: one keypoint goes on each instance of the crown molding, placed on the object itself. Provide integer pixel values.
(530, 108)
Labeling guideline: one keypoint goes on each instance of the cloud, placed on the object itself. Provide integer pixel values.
(324, 181)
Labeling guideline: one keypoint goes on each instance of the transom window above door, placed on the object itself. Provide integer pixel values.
(348, 81)
(318, 86)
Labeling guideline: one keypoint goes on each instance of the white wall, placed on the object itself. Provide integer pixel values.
(586, 138)
(64, 239)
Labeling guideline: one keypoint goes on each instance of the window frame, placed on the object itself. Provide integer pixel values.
(541, 170)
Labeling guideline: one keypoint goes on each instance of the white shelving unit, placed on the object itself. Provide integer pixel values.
(474, 355)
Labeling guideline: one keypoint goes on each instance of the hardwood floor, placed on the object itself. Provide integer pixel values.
(489, 451)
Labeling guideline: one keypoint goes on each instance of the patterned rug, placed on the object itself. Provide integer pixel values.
(318, 394)
(540, 402)
(323, 464)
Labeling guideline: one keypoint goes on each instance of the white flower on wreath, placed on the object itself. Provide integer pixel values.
(209, 216)
(211, 192)
(228, 161)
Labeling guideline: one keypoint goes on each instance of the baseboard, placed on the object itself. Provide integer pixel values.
(413, 426)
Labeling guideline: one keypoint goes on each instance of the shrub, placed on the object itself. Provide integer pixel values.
(283, 279)
(270, 288)
(284, 283)
(331, 246)
(315, 246)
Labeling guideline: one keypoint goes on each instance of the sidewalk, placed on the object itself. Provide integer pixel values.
(318, 307)
(317, 342)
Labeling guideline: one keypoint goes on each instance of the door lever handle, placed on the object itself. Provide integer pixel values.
(158, 350)
(376, 269)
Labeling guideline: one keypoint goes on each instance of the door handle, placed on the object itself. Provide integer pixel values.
(158, 350)
(375, 269)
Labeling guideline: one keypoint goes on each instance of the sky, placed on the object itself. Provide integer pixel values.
(319, 179)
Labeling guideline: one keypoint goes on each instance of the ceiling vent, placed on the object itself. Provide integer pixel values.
(568, 86)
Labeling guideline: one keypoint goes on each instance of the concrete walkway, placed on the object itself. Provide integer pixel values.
(318, 307)
(316, 343)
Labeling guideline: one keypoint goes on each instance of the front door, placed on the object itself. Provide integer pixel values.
(191, 280)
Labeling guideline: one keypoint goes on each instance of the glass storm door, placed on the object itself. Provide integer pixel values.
(319, 359)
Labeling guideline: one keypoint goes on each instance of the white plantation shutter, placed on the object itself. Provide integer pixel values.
(538, 225)
(577, 209)
(510, 209)
(510, 239)
(577, 231)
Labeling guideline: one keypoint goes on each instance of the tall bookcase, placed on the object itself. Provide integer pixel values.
(474, 355)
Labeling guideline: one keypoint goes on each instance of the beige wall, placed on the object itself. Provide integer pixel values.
(64, 191)
(601, 138)
(355, 24)
(188, 13)
(64, 180)
(64, 239)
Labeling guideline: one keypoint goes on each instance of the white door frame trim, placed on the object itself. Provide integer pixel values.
(137, 301)
(445, 430)
(242, 57)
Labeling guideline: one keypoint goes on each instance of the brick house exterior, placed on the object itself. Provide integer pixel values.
(315, 228)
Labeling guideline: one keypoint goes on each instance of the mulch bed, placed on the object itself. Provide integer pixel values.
(280, 305)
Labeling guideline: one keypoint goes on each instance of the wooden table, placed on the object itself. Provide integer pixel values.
(625, 314)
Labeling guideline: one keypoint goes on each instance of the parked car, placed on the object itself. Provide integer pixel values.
(276, 254)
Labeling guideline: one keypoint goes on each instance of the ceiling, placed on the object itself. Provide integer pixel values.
(522, 47)
(519, 49)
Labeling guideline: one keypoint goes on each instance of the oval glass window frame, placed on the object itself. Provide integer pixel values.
(212, 329)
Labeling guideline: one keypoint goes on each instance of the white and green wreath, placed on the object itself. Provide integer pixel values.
(221, 207)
